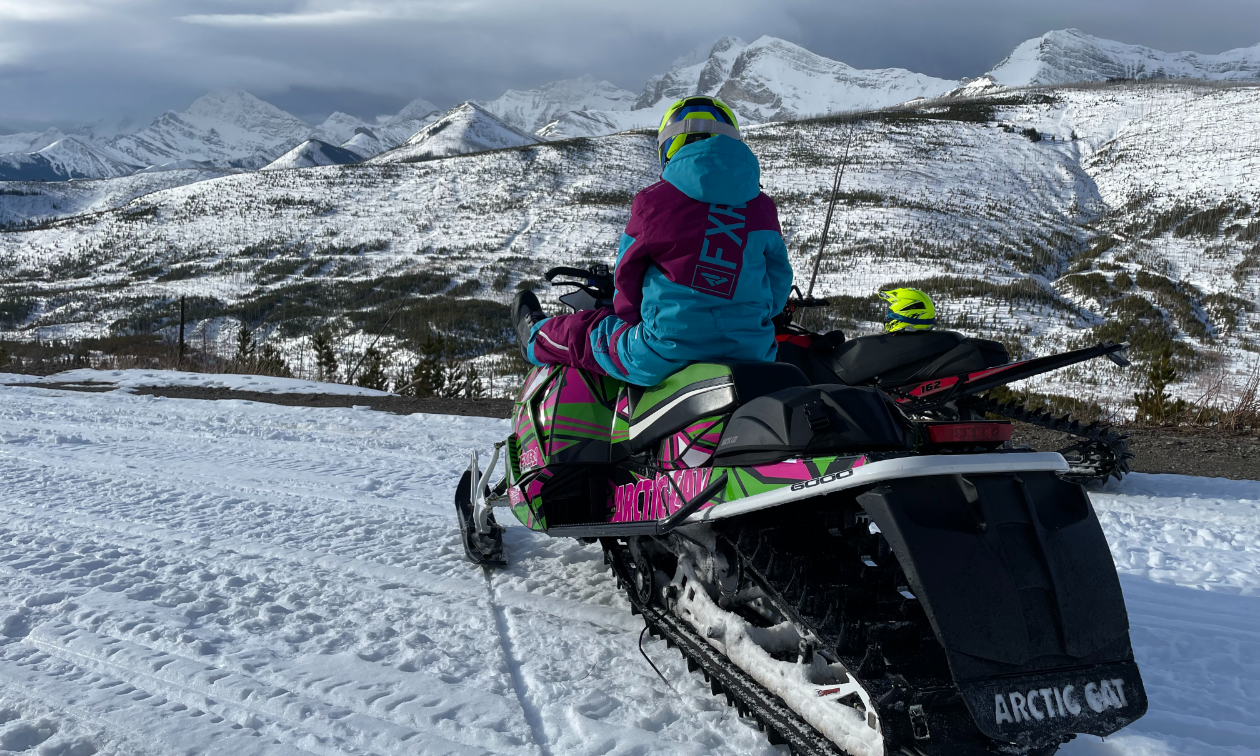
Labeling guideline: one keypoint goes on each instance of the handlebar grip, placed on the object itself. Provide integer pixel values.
(566, 271)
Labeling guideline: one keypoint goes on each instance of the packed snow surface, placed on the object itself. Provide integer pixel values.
(197, 577)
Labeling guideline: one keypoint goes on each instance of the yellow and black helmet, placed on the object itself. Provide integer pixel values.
(908, 310)
(692, 119)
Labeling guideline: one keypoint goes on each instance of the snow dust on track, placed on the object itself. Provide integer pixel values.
(233, 577)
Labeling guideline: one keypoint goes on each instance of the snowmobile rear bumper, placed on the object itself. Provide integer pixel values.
(889, 469)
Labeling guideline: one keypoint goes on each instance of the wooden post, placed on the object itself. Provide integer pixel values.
(181, 329)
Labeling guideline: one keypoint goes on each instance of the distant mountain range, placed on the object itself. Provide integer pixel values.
(763, 81)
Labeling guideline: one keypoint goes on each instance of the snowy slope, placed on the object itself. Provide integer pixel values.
(700, 72)
(337, 128)
(589, 123)
(311, 153)
(772, 79)
(184, 576)
(532, 109)
(27, 142)
(1015, 238)
(229, 128)
(67, 158)
(464, 129)
(1070, 55)
(33, 201)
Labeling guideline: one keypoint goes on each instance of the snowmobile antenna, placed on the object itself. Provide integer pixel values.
(831, 207)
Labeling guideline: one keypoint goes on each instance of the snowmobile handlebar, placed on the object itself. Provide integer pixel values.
(595, 288)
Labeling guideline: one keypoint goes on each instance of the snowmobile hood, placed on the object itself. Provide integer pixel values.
(718, 170)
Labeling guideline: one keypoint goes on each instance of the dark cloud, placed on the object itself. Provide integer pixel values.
(66, 60)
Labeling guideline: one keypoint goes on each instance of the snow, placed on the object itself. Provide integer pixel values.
(312, 153)
(1069, 56)
(532, 109)
(275, 579)
(135, 378)
(464, 129)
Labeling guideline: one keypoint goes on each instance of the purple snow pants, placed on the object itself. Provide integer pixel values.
(566, 340)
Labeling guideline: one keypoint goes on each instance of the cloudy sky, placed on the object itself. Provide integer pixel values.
(63, 61)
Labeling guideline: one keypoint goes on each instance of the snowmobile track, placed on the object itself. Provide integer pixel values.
(776, 718)
(1104, 453)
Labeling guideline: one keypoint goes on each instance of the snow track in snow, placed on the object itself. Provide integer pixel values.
(214, 577)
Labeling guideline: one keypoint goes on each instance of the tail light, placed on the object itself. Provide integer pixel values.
(988, 432)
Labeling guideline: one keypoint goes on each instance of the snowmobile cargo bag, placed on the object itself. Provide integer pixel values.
(701, 390)
(905, 357)
(811, 421)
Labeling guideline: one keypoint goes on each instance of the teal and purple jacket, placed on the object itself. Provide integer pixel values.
(701, 270)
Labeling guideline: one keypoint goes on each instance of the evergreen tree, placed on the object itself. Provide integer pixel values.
(373, 375)
(325, 358)
(269, 361)
(1154, 406)
(244, 347)
(429, 375)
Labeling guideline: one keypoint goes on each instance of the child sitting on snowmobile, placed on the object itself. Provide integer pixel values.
(701, 270)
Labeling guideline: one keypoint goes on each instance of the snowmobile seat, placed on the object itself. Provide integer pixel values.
(894, 359)
(811, 421)
(702, 390)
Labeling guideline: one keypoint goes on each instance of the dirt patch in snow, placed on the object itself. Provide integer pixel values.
(1181, 451)
(399, 405)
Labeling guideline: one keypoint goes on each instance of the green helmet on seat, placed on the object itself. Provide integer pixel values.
(908, 310)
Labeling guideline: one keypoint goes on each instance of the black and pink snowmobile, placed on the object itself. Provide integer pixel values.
(858, 567)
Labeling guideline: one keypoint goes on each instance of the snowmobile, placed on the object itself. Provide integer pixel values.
(854, 573)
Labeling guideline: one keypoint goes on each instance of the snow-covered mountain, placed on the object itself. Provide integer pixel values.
(775, 80)
(589, 123)
(1069, 55)
(532, 109)
(337, 128)
(311, 153)
(768, 80)
(67, 158)
(700, 72)
(393, 131)
(466, 128)
(30, 141)
(228, 127)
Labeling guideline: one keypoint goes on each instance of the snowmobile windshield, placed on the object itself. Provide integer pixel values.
(718, 170)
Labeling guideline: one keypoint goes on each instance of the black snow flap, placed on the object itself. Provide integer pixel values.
(1016, 577)
(812, 421)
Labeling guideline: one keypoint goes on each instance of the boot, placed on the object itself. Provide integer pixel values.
(526, 313)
